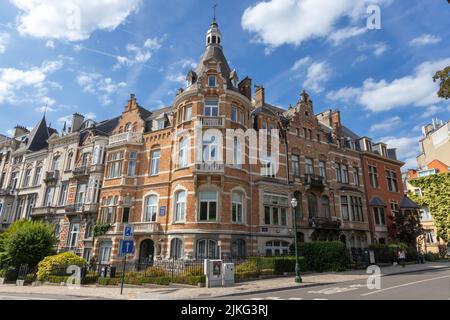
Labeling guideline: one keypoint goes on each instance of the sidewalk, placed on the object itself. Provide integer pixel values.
(175, 292)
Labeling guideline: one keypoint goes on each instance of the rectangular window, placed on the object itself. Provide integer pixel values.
(37, 176)
(337, 167)
(63, 194)
(295, 165)
(208, 206)
(266, 215)
(49, 196)
(27, 178)
(323, 169)
(344, 208)
(161, 123)
(211, 108)
(211, 81)
(241, 117)
(356, 176)
(379, 215)
(188, 113)
(373, 176)
(275, 210)
(126, 215)
(73, 235)
(132, 164)
(234, 114)
(309, 166)
(345, 178)
(115, 161)
(80, 196)
(154, 163)
(392, 180)
(430, 237)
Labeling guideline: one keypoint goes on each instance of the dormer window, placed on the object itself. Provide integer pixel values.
(211, 81)
(161, 124)
(213, 39)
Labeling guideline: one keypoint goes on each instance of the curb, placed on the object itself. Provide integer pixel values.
(317, 284)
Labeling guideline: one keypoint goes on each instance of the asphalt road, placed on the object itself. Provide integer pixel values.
(424, 285)
(35, 296)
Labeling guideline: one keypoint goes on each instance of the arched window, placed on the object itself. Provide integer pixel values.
(180, 205)
(237, 206)
(237, 153)
(325, 203)
(207, 249)
(210, 147)
(55, 163)
(312, 205)
(151, 207)
(208, 205)
(238, 249)
(183, 153)
(128, 127)
(176, 248)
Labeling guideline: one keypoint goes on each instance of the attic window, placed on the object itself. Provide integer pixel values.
(306, 113)
(213, 39)
(211, 81)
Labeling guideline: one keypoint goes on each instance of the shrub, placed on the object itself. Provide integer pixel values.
(56, 265)
(155, 272)
(165, 281)
(443, 251)
(430, 256)
(195, 271)
(267, 272)
(280, 265)
(321, 256)
(108, 281)
(246, 275)
(9, 273)
(190, 279)
(27, 242)
(248, 266)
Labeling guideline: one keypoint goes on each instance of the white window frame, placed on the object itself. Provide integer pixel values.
(180, 206)
(150, 208)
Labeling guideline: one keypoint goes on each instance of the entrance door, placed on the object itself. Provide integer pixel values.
(146, 253)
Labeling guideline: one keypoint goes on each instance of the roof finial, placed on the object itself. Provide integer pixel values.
(214, 8)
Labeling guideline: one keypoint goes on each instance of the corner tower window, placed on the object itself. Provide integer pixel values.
(211, 81)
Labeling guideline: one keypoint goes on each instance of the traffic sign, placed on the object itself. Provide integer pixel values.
(128, 231)
(126, 247)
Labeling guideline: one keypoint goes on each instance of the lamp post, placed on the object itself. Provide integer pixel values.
(298, 278)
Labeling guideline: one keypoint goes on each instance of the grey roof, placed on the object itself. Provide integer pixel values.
(407, 203)
(157, 112)
(376, 202)
(37, 139)
(107, 126)
(214, 52)
(349, 133)
(268, 108)
(144, 112)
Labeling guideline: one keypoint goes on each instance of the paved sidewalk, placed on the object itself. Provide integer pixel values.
(174, 292)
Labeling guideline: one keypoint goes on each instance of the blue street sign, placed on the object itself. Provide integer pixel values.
(126, 247)
(128, 231)
(162, 211)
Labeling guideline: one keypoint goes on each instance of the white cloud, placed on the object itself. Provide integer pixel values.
(18, 86)
(138, 54)
(425, 39)
(95, 83)
(386, 125)
(377, 48)
(431, 111)
(278, 22)
(416, 89)
(407, 148)
(72, 20)
(339, 36)
(318, 73)
(4, 39)
(50, 44)
(68, 119)
(300, 63)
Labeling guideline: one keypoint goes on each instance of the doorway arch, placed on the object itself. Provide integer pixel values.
(146, 253)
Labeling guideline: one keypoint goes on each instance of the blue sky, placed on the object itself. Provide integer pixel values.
(89, 58)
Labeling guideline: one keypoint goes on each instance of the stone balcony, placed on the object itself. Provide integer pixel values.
(124, 138)
(51, 176)
(212, 122)
(80, 172)
(145, 227)
(314, 182)
(81, 208)
(210, 167)
(7, 192)
(43, 211)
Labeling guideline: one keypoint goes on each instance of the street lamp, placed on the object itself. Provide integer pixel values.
(298, 278)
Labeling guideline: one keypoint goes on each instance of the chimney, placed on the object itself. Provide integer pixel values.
(20, 131)
(245, 87)
(259, 96)
(336, 119)
(77, 121)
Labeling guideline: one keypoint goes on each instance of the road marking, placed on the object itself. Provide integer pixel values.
(320, 299)
(273, 298)
(24, 298)
(334, 290)
(295, 299)
(404, 285)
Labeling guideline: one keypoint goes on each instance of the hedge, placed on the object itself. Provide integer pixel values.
(192, 280)
(323, 256)
(108, 281)
(279, 265)
(430, 256)
(57, 264)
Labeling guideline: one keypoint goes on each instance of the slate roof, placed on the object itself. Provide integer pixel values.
(214, 52)
(349, 133)
(407, 203)
(376, 202)
(37, 138)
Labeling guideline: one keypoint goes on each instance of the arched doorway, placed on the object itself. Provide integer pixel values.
(146, 253)
(343, 239)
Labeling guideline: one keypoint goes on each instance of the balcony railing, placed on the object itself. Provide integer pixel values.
(126, 137)
(324, 223)
(43, 210)
(212, 121)
(97, 168)
(314, 181)
(7, 192)
(145, 227)
(51, 176)
(210, 167)
(80, 172)
(80, 207)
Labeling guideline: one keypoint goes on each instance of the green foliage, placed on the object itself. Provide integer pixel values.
(155, 272)
(246, 275)
(54, 265)
(443, 251)
(190, 279)
(163, 281)
(108, 281)
(432, 256)
(101, 229)
(9, 273)
(27, 242)
(248, 266)
(435, 196)
(279, 265)
(324, 256)
(388, 253)
(444, 87)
